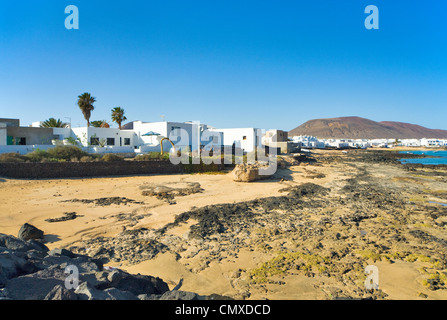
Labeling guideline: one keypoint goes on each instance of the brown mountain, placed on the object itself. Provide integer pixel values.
(361, 128)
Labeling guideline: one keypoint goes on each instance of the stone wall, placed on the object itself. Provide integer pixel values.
(38, 170)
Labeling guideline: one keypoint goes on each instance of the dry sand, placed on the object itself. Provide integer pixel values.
(34, 201)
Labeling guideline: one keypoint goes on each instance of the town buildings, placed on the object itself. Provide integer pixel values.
(139, 137)
(135, 137)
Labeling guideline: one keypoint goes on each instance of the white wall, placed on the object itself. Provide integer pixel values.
(3, 136)
(63, 133)
(140, 128)
(236, 135)
(107, 149)
(182, 138)
(23, 149)
(85, 134)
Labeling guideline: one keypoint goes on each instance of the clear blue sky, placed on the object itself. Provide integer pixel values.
(267, 64)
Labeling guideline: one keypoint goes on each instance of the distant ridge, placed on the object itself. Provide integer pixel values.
(361, 128)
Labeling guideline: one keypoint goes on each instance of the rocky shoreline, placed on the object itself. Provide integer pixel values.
(30, 271)
(304, 233)
(358, 209)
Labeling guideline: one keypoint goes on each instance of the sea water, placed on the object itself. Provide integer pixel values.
(439, 157)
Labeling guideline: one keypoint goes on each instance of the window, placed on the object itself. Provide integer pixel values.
(110, 141)
(244, 138)
(21, 141)
(94, 141)
(127, 141)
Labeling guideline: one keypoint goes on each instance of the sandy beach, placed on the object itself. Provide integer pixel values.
(306, 233)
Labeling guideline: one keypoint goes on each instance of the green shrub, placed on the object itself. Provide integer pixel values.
(66, 153)
(71, 140)
(36, 156)
(86, 159)
(52, 160)
(12, 157)
(110, 157)
(152, 156)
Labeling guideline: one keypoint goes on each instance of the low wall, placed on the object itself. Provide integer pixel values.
(55, 170)
(92, 149)
(23, 149)
(38, 170)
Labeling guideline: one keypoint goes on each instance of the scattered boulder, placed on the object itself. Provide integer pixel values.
(246, 172)
(67, 216)
(30, 232)
(12, 266)
(15, 244)
(35, 286)
(179, 295)
(87, 292)
(61, 252)
(137, 284)
(167, 193)
(61, 293)
(115, 294)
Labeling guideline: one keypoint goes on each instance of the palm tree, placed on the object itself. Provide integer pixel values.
(118, 116)
(100, 124)
(53, 123)
(85, 103)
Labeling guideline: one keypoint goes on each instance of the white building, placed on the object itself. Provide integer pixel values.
(336, 143)
(381, 143)
(191, 135)
(274, 135)
(309, 142)
(278, 139)
(359, 143)
(241, 138)
(98, 139)
(410, 142)
(433, 142)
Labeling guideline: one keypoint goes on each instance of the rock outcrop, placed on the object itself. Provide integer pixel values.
(246, 172)
(30, 271)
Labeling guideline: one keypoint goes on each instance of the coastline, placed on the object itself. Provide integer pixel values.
(306, 233)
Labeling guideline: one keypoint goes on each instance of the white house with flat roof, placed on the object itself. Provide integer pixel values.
(100, 139)
(433, 142)
(309, 141)
(192, 135)
(243, 138)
